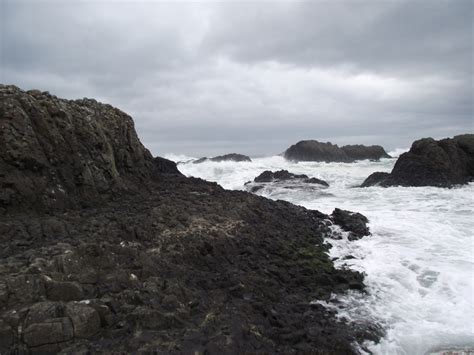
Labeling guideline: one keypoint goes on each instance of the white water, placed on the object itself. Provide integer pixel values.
(419, 261)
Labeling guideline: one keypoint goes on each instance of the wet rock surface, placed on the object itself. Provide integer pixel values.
(352, 222)
(442, 163)
(284, 177)
(153, 261)
(312, 150)
(227, 157)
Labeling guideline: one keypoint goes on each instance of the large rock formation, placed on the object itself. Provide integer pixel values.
(105, 249)
(442, 163)
(312, 150)
(60, 153)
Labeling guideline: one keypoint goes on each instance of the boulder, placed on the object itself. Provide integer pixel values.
(375, 179)
(50, 331)
(85, 319)
(352, 222)
(442, 163)
(63, 291)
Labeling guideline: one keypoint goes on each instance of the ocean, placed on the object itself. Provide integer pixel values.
(418, 262)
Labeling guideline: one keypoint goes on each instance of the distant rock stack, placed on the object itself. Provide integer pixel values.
(312, 150)
(442, 163)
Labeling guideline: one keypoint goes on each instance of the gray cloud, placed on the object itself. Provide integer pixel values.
(253, 77)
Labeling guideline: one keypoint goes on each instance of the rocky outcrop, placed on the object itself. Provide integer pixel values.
(375, 179)
(352, 222)
(227, 157)
(312, 150)
(284, 175)
(281, 177)
(362, 152)
(315, 151)
(166, 166)
(442, 163)
(231, 157)
(60, 153)
(139, 258)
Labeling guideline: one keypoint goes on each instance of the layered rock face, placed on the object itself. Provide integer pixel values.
(312, 150)
(60, 153)
(442, 163)
(134, 257)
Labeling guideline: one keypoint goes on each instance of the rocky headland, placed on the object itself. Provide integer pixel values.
(311, 150)
(442, 163)
(108, 249)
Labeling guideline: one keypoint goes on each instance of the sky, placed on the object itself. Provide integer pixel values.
(253, 77)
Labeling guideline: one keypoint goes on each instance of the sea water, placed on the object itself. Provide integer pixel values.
(418, 262)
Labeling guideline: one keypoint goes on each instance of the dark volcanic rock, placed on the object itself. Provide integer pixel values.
(166, 166)
(316, 151)
(375, 179)
(284, 175)
(442, 163)
(352, 222)
(60, 153)
(362, 152)
(227, 157)
(138, 258)
(231, 157)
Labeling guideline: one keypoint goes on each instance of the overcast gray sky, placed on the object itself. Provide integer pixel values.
(253, 77)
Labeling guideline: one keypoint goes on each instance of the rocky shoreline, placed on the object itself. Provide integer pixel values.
(107, 249)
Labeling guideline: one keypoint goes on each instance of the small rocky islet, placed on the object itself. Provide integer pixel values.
(285, 177)
(312, 150)
(108, 249)
(235, 157)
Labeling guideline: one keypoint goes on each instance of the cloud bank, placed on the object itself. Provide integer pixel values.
(253, 77)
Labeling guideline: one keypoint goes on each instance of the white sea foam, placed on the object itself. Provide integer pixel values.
(397, 152)
(419, 261)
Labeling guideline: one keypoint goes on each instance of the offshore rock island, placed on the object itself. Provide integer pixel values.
(106, 248)
(444, 163)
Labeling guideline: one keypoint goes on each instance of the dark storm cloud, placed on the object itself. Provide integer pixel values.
(390, 36)
(254, 77)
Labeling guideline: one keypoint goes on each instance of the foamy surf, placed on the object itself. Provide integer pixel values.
(418, 262)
